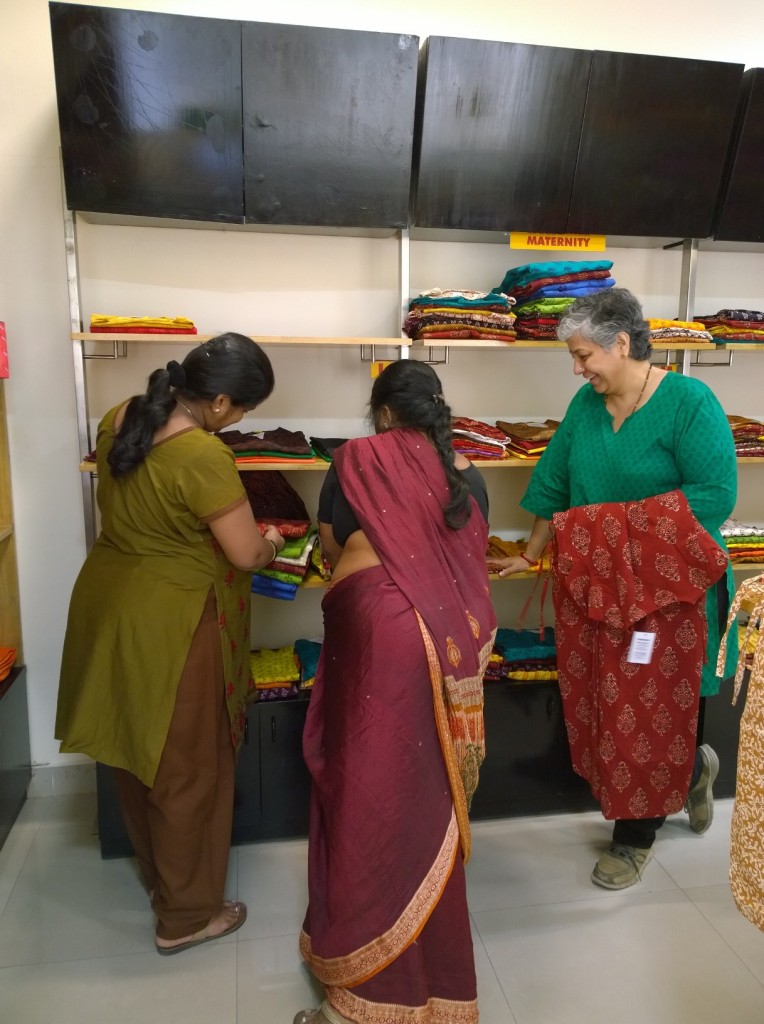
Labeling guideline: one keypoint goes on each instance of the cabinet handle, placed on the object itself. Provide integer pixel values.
(246, 731)
(273, 728)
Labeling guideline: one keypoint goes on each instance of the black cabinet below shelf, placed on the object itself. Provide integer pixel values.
(15, 766)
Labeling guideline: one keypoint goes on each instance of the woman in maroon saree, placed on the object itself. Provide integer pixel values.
(394, 737)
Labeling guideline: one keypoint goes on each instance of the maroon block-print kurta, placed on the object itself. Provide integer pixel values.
(620, 567)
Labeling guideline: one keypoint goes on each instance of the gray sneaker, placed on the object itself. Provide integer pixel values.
(621, 866)
(700, 799)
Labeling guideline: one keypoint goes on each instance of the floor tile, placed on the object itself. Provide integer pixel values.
(492, 1003)
(69, 904)
(276, 906)
(524, 861)
(693, 860)
(631, 958)
(67, 811)
(196, 987)
(273, 982)
(716, 904)
(12, 856)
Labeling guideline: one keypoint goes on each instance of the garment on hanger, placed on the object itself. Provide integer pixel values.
(747, 833)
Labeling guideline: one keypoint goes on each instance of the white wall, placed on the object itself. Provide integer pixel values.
(282, 284)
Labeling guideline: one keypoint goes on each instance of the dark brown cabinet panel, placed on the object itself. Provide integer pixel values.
(741, 211)
(149, 109)
(653, 145)
(328, 125)
(498, 132)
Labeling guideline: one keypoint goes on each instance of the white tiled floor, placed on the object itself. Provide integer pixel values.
(76, 942)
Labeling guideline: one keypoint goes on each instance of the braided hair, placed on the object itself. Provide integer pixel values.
(412, 392)
(229, 364)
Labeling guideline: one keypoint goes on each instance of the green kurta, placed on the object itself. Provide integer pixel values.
(139, 597)
(679, 439)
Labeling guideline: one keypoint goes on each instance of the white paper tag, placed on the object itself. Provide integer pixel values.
(641, 648)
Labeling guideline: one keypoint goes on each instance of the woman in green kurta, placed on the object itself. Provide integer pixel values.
(634, 432)
(155, 670)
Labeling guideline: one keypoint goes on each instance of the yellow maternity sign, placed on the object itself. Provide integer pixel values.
(548, 240)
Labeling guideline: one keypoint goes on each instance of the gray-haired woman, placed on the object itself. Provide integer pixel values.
(635, 432)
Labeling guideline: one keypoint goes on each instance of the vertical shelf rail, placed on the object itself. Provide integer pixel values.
(687, 289)
(78, 354)
(404, 284)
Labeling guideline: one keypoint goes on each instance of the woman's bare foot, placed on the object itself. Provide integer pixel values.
(231, 916)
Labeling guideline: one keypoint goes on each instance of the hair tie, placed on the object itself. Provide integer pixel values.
(438, 399)
(177, 374)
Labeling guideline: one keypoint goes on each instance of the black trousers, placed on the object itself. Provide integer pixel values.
(641, 832)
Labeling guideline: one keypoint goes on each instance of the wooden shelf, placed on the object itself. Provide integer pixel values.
(5, 532)
(660, 345)
(197, 339)
(741, 346)
(748, 566)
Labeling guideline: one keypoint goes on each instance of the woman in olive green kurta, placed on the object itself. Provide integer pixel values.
(634, 432)
(155, 667)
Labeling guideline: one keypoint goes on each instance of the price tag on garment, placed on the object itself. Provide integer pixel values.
(578, 243)
(378, 366)
(641, 648)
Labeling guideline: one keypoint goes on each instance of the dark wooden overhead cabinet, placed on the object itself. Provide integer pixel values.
(498, 127)
(741, 210)
(328, 125)
(150, 111)
(653, 145)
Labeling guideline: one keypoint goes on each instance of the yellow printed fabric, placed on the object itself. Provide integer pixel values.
(277, 667)
(177, 322)
(689, 325)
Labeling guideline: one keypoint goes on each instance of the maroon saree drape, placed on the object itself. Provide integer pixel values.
(393, 741)
(618, 568)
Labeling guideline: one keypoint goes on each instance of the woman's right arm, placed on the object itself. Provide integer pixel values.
(237, 534)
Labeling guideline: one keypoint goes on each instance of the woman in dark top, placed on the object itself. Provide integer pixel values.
(394, 736)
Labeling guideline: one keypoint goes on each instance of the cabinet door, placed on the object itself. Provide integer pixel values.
(653, 145)
(15, 762)
(498, 132)
(112, 833)
(247, 807)
(285, 781)
(328, 125)
(527, 767)
(149, 108)
(741, 214)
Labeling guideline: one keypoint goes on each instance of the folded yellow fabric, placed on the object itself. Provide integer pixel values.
(104, 320)
(692, 325)
(277, 666)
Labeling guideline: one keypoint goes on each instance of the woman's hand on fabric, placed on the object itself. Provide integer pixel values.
(272, 534)
(507, 566)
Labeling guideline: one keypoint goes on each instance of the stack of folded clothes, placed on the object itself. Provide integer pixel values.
(438, 315)
(7, 661)
(325, 447)
(543, 291)
(308, 653)
(291, 563)
(278, 446)
(735, 325)
(523, 655)
(276, 673)
(748, 436)
(477, 440)
(745, 541)
(101, 323)
(678, 330)
(275, 502)
(528, 440)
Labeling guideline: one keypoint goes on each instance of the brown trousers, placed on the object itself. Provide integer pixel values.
(180, 828)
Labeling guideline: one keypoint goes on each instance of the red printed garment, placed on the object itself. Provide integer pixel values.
(621, 567)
